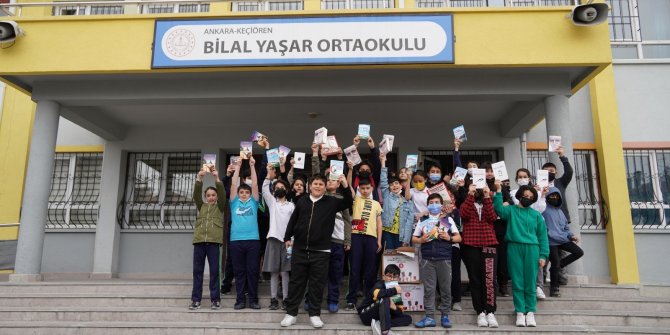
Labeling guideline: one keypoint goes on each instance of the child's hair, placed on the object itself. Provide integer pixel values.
(486, 166)
(523, 190)
(318, 176)
(435, 196)
(392, 269)
(365, 162)
(243, 187)
(392, 179)
(434, 165)
(420, 173)
(299, 178)
(548, 164)
(281, 181)
(472, 162)
(522, 170)
(364, 182)
(213, 189)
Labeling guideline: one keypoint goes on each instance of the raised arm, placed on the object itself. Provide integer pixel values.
(235, 182)
(267, 195)
(254, 178)
(220, 190)
(457, 154)
(197, 189)
(503, 211)
(568, 172)
(316, 165)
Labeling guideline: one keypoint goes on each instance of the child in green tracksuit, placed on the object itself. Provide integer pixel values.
(527, 249)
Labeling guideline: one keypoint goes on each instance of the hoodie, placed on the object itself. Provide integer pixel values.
(558, 229)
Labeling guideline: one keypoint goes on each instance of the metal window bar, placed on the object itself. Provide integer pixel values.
(647, 173)
(159, 191)
(531, 3)
(357, 4)
(624, 21)
(451, 3)
(105, 10)
(193, 8)
(250, 6)
(75, 191)
(445, 158)
(285, 5)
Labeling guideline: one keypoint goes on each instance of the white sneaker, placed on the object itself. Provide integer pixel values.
(456, 307)
(316, 321)
(289, 320)
(376, 327)
(530, 320)
(491, 319)
(540, 294)
(520, 320)
(481, 320)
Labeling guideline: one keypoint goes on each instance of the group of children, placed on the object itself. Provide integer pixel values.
(315, 221)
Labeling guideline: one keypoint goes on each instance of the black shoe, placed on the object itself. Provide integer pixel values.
(350, 307)
(216, 305)
(225, 290)
(503, 292)
(194, 305)
(283, 305)
(274, 304)
(554, 293)
(254, 305)
(240, 305)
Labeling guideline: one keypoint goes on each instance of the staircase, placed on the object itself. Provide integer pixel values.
(123, 307)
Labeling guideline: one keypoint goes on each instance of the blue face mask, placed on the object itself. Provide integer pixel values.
(434, 209)
(435, 177)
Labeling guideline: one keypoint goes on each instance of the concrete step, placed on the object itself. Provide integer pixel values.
(173, 314)
(235, 328)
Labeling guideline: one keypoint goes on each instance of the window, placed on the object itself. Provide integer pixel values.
(88, 10)
(75, 189)
(159, 191)
(445, 158)
(647, 174)
(252, 6)
(527, 3)
(640, 29)
(356, 4)
(166, 8)
(450, 3)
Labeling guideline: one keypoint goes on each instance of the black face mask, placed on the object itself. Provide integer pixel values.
(280, 193)
(364, 175)
(525, 202)
(552, 176)
(554, 202)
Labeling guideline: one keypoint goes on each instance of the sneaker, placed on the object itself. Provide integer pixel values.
(456, 307)
(240, 305)
(194, 305)
(376, 327)
(289, 320)
(350, 307)
(491, 319)
(503, 292)
(225, 290)
(481, 320)
(274, 304)
(427, 321)
(520, 320)
(555, 292)
(316, 321)
(445, 321)
(216, 305)
(283, 305)
(530, 320)
(333, 308)
(540, 294)
(254, 305)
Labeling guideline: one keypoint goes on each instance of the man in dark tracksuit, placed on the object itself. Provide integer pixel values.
(311, 227)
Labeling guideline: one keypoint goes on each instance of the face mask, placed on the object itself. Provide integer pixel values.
(490, 180)
(523, 181)
(552, 176)
(435, 177)
(434, 209)
(554, 202)
(280, 193)
(419, 186)
(364, 174)
(248, 182)
(525, 202)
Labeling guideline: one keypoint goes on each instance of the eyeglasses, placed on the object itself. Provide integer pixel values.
(392, 277)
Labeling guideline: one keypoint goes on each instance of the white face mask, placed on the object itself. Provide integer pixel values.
(523, 181)
(248, 182)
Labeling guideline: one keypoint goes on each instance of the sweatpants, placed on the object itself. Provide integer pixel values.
(363, 260)
(433, 274)
(335, 272)
(523, 264)
(312, 267)
(382, 312)
(481, 263)
(575, 253)
(246, 265)
(211, 252)
(502, 270)
(456, 285)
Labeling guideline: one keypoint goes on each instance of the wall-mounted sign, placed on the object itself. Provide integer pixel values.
(304, 41)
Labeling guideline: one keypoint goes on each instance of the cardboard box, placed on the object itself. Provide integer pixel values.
(409, 266)
(412, 297)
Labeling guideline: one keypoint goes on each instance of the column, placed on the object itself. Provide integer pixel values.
(557, 109)
(36, 193)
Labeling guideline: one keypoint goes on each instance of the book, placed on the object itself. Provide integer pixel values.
(411, 162)
(460, 174)
(273, 156)
(331, 147)
(299, 160)
(234, 159)
(283, 151)
(390, 141)
(245, 149)
(440, 189)
(321, 136)
(459, 133)
(363, 131)
(208, 162)
(352, 155)
(500, 171)
(386, 144)
(479, 178)
(336, 169)
(542, 178)
(554, 143)
(257, 136)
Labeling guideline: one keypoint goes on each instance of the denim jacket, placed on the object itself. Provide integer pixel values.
(391, 203)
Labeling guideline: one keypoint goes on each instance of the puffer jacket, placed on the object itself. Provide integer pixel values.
(209, 223)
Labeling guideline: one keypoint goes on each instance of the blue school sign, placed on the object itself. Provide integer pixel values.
(304, 41)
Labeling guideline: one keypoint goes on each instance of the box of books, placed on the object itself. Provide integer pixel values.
(406, 261)
(412, 297)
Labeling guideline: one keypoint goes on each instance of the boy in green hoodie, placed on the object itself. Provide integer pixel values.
(527, 249)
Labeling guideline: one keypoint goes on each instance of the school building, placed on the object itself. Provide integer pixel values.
(108, 106)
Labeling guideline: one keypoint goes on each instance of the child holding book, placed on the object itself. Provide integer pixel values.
(244, 237)
(366, 241)
(397, 217)
(436, 234)
(207, 238)
(276, 260)
(382, 307)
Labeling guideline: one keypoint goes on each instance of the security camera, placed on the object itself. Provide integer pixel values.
(590, 14)
(9, 31)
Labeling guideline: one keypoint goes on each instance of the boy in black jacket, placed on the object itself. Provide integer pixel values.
(380, 308)
(311, 226)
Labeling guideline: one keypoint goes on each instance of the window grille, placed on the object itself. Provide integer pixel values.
(445, 158)
(529, 3)
(75, 191)
(356, 4)
(450, 3)
(648, 179)
(252, 6)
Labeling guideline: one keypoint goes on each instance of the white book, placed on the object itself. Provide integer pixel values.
(554, 143)
(321, 136)
(459, 133)
(479, 178)
(299, 160)
(336, 169)
(460, 173)
(363, 131)
(500, 171)
(352, 155)
(389, 140)
(542, 178)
